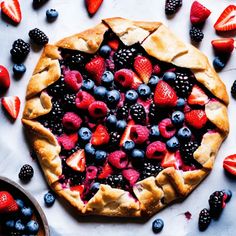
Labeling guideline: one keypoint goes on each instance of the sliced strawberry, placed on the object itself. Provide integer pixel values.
(78, 188)
(197, 96)
(7, 203)
(227, 19)
(106, 171)
(225, 45)
(93, 6)
(198, 13)
(136, 82)
(172, 160)
(126, 134)
(114, 44)
(4, 79)
(12, 105)
(11, 8)
(96, 68)
(100, 136)
(143, 67)
(229, 164)
(77, 161)
(196, 118)
(165, 95)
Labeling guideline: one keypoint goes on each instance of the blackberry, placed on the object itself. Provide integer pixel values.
(57, 111)
(58, 88)
(216, 202)
(76, 60)
(233, 89)
(38, 36)
(183, 84)
(57, 128)
(138, 113)
(69, 99)
(123, 112)
(114, 140)
(204, 219)
(172, 6)
(187, 151)
(150, 169)
(26, 173)
(124, 57)
(196, 34)
(20, 50)
(38, 3)
(116, 181)
(156, 114)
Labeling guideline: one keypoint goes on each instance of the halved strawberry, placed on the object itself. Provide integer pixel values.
(114, 44)
(78, 188)
(165, 95)
(96, 68)
(225, 45)
(227, 19)
(172, 160)
(7, 203)
(77, 161)
(136, 82)
(126, 134)
(198, 13)
(4, 79)
(143, 67)
(105, 172)
(93, 6)
(197, 96)
(12, 105)
(229, 164)
(100, 136)
(11, 8)
(196, 118)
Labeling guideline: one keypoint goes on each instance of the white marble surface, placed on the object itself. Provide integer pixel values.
(14, 152)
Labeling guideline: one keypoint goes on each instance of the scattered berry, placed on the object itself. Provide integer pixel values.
(20, 50)
(157, 225)
(51, 14)
(19, 69)
(196, 34)
(228, 194)
(172, 6)
(12, 10)
(233, 89)
(38, 36)
(198, 13)
(93, 6)
(26, 173)
(229, 164)
(219, 63)
(216, 202)
(204, 219)
(223, 46)
(49, 199)
(4, 79)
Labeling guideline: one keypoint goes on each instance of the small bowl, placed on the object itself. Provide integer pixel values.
(18, 192)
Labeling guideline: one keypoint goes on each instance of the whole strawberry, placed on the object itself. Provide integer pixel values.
(4, 79)
(93, 6)
(198, 13)
(7, 203)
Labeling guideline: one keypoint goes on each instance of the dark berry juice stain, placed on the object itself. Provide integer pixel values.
(188, 215)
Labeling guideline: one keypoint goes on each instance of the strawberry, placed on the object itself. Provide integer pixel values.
(227, 19)
(198, 13)
(12, 105)
(7, 203)
(93, 6)
(172, 160)
(197, 96)
(165, 95)
(100, 136)
(78, 188)
(4, 78)
(196, 118)
(106, 171)
(124, 77)
(229, 164)
(11, 8)
(225, 45)
(114, 44)
(126, 134)
(96, 68)
(143, 67)
(136, 82)
(77, 161)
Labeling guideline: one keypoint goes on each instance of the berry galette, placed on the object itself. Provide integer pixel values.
(125, 118)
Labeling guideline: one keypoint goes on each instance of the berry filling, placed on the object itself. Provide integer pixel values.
(122, 116)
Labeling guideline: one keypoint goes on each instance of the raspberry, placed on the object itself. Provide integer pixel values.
(204, 219)
(156, 70)
(118, 159)
(38, 36)
(73, 79)
(68, 141)
(124, 77)
(139, 134)
(20, 50)
(166, 128)
(26, 173)
(138, 113)
(131, 175)
(98, 109)
(156, 150)
(91, 172)
(83, 100)
(71, 121)
(216, 202)
(110, 64)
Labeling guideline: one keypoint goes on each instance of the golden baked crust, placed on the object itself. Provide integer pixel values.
(152, 193)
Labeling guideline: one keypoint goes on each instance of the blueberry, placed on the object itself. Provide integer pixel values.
(228, 192)
(172, 144)
(121, 125)
(137, 155)
(32, 227)
(49, 199)
(153, 81)
(95, 187)
(219, 63)
(19, 226)
(87, 85)
(111, 122)
(131, 96)
(85, 134)
(113, 97)
(100, 92)
(107, 79)
(19, 69)
(105, 51)
(128, 146)
(184, 134)
(89, 150)
(51, 14)
(100, 156)
(157, 225)
(144, 91)
(177, 118)
(169, 77)
(26, 213)
(20, 203)
(154, 132)
(10, 224)
(180, 103)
